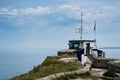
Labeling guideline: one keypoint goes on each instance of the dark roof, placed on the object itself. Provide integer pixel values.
(76, 41)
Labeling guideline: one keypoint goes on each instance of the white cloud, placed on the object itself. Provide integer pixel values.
(70, 10)
(7, 11)
(65, 7)
(38, 10)
(26, 11)
(91, 13)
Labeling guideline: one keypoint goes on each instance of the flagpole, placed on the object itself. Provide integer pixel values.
(95, 30)
(95, 33)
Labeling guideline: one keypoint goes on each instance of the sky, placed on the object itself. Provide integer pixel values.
(37, 24)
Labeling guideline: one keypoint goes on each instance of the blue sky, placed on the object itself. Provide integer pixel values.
(37, 24)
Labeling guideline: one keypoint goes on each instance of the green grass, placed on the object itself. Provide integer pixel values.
(74, 76)
(51, 65)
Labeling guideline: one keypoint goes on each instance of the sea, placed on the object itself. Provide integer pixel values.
(17, 62)
(14, 62)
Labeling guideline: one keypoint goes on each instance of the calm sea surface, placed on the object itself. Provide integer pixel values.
(13, 63)
(112, 53)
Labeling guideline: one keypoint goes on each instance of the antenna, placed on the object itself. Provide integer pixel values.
(80, 30)
(81, 27)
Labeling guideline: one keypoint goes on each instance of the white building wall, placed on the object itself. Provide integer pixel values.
(83, 59)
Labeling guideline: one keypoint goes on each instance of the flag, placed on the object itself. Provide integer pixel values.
(95, 26)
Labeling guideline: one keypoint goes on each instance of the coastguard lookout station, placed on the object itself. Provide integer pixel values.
(83, 49)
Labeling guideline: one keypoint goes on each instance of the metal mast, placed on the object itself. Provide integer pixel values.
(81, 29)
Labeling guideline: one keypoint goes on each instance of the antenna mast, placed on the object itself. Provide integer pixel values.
(80, 30)
(81, 27)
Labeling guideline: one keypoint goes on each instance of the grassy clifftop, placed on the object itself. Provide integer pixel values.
(51, 65)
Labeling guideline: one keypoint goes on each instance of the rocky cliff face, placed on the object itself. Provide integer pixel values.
(114, 68)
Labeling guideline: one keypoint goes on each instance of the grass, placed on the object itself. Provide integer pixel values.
(85, 75)
(51, 65)
(74, 76)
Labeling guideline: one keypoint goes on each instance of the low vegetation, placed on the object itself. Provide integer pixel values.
(74, 76)
(51, 65)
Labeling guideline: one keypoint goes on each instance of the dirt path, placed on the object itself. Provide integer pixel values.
(82, 70)
(98, 72)
(84, 79)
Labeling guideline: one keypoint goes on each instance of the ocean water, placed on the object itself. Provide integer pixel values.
(112, 53)
(13, 63)
(16, 62)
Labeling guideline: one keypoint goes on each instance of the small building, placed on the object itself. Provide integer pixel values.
(83, 49)
(78, 44)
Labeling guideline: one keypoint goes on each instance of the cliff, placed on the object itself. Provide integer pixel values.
(51, 65)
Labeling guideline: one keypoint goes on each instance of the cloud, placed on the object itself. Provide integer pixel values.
(38, 10)
(62, 14)
(8, 12)
(33, 25)
(25, 11)
(65, 7)
(70, 10)
(93, 12)
(73, 10)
